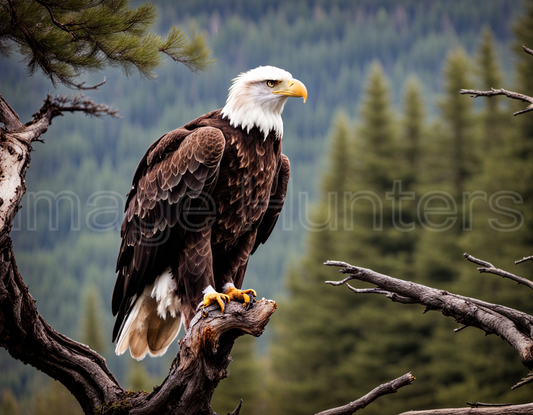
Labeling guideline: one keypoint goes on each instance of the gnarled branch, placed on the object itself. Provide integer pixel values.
(512, 325)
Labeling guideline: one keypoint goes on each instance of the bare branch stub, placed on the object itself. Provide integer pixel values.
(478, 261)
(527, 50)
(384, 389)
(526, 258)
(237, 410)
(491, 269)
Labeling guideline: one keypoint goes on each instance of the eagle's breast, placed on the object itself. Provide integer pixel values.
(247, 172)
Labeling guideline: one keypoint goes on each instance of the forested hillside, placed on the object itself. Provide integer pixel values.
(383, 108)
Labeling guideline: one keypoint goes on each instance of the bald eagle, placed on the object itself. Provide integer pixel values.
(204, 196)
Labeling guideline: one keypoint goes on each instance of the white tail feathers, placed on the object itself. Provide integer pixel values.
(154, 321)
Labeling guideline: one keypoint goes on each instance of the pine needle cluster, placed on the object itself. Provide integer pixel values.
(65, 39)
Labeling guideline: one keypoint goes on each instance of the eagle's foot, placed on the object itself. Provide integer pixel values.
(244, 296)
(213, 298)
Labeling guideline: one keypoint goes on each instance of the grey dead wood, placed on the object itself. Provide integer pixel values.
(384, 389)
(474, 93)
(525, 409)
(511, 325)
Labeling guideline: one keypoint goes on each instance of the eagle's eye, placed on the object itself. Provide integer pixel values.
(271, 83)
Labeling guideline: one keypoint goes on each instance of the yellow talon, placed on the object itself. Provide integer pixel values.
(241, 295)
(213, 298)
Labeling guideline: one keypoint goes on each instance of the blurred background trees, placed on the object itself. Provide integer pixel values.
(384, 134)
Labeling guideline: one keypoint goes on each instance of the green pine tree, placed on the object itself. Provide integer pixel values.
(91, 324)
(414, 131)
(379, 197)
(450, 162)
(55, 399)
(138, 378)
(331, 345)
(489, 74)
(523, 32)
(243, 381)
(9, 404)
(458, 146)
(304, 356)
(523, 146)
(489, 237)
(413, 137)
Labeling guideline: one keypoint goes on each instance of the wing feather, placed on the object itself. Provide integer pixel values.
(176, 168)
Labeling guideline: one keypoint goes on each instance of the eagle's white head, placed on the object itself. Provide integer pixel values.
(257, 97)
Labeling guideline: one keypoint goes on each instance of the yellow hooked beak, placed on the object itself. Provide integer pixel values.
(291, 88)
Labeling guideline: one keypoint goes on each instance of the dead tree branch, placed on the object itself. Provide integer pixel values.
(509, 94)
(526, 258)
(527, 50)
(511, 325)
(489, 268)
(494, 92)
(525, 409)
(384, 389)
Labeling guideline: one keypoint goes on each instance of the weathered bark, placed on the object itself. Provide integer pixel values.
(203, 359)
(204, 351)
(513, 326)
(30, 339)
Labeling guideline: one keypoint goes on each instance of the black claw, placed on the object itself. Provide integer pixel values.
(250, 305)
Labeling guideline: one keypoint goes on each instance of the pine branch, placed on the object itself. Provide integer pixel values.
(81, 85)
(62, 26)
(66, 43)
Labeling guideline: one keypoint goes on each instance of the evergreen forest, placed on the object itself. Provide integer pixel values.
(391, 169)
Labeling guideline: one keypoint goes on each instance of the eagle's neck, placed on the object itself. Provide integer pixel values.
(247, 110)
